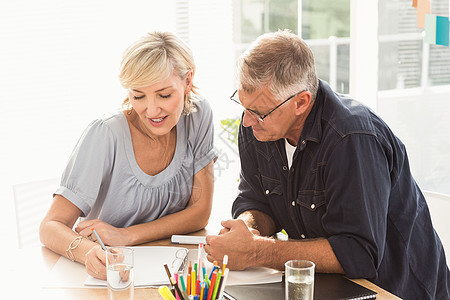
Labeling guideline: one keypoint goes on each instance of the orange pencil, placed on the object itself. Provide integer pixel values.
(188, 281)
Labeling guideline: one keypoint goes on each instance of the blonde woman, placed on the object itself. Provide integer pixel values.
(144, 173)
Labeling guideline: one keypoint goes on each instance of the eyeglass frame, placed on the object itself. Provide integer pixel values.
(256, 114)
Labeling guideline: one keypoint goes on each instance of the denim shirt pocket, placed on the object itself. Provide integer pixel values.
(271, 187)
(312, 207)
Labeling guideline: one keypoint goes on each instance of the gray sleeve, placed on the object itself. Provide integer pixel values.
(89, 166)
(203, 135)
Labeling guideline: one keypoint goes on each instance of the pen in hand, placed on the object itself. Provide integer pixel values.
(99, 239)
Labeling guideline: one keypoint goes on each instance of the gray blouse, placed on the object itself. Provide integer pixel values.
(103, 179)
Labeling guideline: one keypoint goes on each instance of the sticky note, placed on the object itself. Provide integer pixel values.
(423, 8)
(442, 30)
(430, 29)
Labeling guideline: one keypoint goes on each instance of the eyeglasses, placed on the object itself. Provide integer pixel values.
(257, 115)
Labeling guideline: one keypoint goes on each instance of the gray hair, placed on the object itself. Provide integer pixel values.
(281, 60)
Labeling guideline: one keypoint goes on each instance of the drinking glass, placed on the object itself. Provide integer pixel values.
(120, 273)
(299, 280)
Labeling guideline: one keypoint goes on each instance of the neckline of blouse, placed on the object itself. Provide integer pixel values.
(166, 174)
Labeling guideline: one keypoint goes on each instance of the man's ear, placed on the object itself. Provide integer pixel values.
(188, 81)
(302, 102)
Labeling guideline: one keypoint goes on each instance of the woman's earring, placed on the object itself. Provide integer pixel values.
(129, 109)
(188, 88)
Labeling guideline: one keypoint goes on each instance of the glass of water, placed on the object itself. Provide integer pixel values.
(299, 280)
(120, 272)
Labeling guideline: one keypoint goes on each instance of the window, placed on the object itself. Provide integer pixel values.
(414, 91)
(405, 61)
(325, 26)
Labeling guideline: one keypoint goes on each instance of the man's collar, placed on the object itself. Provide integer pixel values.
(312, 130)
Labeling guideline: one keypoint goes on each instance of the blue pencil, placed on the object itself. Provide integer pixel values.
(99, 239)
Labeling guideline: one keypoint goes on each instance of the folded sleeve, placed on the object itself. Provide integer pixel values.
(358, 186)
(202, 131)
(89, 166)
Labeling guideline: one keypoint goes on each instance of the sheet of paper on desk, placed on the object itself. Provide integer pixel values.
(257, 275)
(149, 265)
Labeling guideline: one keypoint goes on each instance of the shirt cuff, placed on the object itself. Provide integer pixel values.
(354, 259)
(76, 199)
(200, 163)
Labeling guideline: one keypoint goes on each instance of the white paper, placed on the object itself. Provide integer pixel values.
(256, 275)
(149, 264)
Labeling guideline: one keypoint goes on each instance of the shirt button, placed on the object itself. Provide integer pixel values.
(313, 206)
(303, 142)
(293, 203)
(267, 192)
(303, 236)
(285, 168)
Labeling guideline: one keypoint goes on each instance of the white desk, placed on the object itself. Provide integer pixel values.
(28, 269)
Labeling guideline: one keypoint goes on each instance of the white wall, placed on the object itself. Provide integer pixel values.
(420, 118)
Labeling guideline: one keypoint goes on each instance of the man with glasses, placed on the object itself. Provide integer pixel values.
(328, 171)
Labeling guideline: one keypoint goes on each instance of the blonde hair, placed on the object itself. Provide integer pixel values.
(281, 60)
(153, 58)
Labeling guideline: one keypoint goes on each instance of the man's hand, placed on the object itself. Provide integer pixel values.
(237, 241)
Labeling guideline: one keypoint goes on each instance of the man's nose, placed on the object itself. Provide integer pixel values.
(249, 119)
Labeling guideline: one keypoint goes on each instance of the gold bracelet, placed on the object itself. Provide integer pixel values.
(72, 246)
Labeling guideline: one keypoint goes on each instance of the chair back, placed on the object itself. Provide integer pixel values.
(32, 200)
(439, 205)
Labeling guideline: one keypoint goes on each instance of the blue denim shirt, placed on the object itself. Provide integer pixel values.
(349, 182)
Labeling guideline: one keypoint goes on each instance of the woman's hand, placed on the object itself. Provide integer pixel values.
(96, 262)
(110, 235)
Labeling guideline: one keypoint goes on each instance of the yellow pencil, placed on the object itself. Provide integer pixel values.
(165, 293)
(225, 262)
(202, 292)
(193, 280)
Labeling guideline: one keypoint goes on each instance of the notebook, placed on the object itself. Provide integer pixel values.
(326, 287)
(149, 265)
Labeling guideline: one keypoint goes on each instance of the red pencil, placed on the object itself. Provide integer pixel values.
(211, 286)
(189, 284)
(197, 288)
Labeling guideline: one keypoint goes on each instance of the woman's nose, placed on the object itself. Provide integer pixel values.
(153, 107)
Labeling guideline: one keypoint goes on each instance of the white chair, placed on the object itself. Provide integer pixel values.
(32, 201)
(439, 205)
